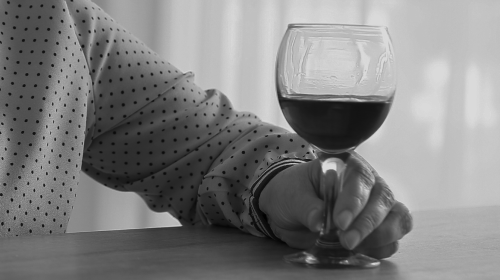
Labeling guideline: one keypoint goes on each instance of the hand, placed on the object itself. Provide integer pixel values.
(369, 219)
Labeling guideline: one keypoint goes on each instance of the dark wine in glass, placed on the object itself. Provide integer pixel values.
(335, 85)
(335, 123)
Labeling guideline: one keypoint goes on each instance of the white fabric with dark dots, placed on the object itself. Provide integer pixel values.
(79, 92)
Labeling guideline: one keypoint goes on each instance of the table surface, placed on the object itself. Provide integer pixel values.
(444, 244)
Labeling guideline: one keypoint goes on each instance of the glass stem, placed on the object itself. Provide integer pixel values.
(332, 169)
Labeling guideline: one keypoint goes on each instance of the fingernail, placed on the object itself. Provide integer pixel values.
(351, 239)
(344, 219)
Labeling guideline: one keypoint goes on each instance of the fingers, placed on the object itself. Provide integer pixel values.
(383, 241)
(358, 182)
(379, 204)
(397, 224)
(380, 252)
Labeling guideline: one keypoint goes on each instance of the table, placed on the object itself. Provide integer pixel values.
(444, 244)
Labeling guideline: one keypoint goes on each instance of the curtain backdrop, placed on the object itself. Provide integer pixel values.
(439, 147)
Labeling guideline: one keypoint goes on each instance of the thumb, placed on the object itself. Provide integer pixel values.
(308, 209)
(313, 219)
(310, 206)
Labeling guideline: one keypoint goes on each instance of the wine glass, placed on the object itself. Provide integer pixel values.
(335, 86)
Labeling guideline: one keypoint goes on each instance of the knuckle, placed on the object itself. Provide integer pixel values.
(357, 201)
(367, 179)
(360, 179)
(387, 199)
(365, 176)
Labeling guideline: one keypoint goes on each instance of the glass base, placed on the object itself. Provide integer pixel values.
(317, 257)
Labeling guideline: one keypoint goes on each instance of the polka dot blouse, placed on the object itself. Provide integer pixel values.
(79, 92)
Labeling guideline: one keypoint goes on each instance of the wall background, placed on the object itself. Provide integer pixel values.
(440, 146)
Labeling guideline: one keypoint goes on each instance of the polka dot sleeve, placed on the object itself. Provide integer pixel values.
(78, 91)
(44, 92)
